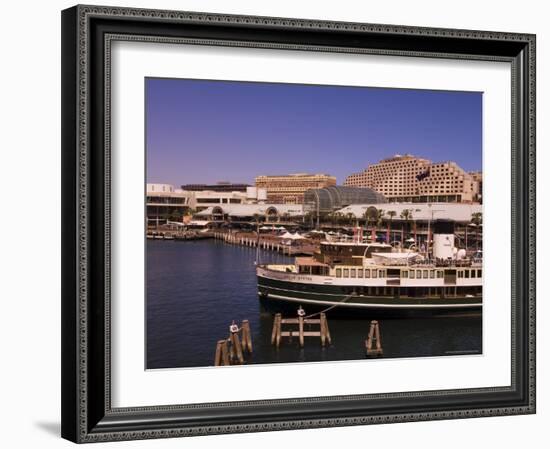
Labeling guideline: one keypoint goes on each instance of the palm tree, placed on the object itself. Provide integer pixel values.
(257, 219)
(406, 214)
(380, 218)
(366, 217)
(391, 214)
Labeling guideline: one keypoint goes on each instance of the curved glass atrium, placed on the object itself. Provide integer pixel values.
(331, 198)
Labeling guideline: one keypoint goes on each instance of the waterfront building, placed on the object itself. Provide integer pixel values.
(418, 212)
(251, 212)
(330, 199)
(290, 189)
(409, 178)
(399, 221)
(205, 198)
(166, 203)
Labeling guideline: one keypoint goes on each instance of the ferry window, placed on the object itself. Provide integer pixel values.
(338, 272)
(425, 274)
(478, 273)
(346, 272)
(412, 274)
(467, 274)
(367, 273)
(473, 273)
(432, 274)
(460, 274)
(405, 274)
(374, 273)
(439, 274)
(353, 272)
(381, 273)
(359, 273)
(418, 274)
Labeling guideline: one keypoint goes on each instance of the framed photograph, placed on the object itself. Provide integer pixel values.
(277, 224)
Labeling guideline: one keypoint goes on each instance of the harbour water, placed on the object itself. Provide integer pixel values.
(196, 288)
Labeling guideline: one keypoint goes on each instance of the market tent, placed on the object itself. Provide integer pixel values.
(288, 236)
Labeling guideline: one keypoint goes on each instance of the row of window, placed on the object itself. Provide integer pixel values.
(359, 273)
(405, 274)
(469, 274)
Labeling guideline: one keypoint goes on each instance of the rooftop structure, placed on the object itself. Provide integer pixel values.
(414, 179)
(290, 189)
(218, 187)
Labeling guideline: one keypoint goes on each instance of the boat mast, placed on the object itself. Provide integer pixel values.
(257, 241)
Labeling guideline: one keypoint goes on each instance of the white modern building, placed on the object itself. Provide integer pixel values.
(206, 198)
(168, 203)
(267, 212)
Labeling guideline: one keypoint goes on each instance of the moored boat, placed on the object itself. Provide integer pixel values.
(354, 277)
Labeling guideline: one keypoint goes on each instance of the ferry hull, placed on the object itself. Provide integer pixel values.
(285, 296)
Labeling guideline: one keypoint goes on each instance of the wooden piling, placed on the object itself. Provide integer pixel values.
(236, 348)
(247, 337)
(300, 321)
(279, 322)
(222, 354)
(218, 356)
(374, 342)
(225, 353)
(324, 322)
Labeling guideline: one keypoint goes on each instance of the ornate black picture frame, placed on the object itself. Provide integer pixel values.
(87, 413)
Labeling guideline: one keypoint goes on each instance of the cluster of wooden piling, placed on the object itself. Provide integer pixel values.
(231, 350)
(278, 332)
(373, 343)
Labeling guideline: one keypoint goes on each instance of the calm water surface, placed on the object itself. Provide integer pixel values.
(195, 290)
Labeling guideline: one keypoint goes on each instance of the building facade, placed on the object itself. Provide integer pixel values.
(477, 176)
(290, 189)
(270, 213)
(166, 203)
(412, 179)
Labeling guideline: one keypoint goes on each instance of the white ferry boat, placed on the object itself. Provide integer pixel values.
(377, 278)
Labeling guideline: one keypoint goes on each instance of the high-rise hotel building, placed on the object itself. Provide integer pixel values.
(290, 189)
(412, 179)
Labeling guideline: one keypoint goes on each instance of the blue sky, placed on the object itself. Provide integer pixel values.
(200, 131)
